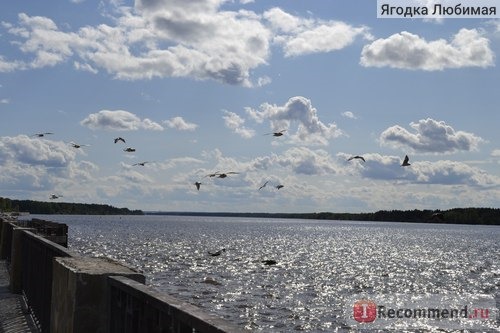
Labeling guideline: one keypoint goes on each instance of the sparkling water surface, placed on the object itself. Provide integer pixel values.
(320, 264)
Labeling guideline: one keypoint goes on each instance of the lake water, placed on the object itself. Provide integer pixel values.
(320, 264)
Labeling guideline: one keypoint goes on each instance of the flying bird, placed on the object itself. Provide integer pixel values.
(129, 150)
(269, 262)
(77, 145)
(141, 163)
(405, 161)
(119, 139)
(280, 133)
(55, 196)
(221, 174)
(279, 186)
(41, 135)
(198, 184)
(358, 157)
(260, 188)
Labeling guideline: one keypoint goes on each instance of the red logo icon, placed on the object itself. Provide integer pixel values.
(364, 311)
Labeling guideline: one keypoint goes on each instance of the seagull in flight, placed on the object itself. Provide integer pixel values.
(119, 139)
(41, 135)
(129, 150)
(141, 163)
(405, 161)
(55, 196)
(198, 184)
(260, 188)
(77, 145)
(280, 133)
(358, 157)
(221, 174)
(279, 186)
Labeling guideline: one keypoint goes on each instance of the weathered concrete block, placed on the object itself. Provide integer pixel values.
(16, 260)
(80, 293)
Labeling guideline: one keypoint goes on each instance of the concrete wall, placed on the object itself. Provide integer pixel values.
(80, 293)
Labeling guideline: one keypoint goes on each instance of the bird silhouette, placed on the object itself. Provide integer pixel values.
(405, 161)
(77, 145)
(280, 133)
(221, 174)
(357, 157)
(55, 196)
(260, 188)
(279, 186)
(269, 262)
(198, 184)
(41, 135)
(141, 163)
(119, 139)
(129, 150)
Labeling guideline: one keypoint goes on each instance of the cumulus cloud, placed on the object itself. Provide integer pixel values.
(26, 150)
(441, 172)
(180, 124)
(305, 161)
(37, 164)
(430, 136)
(297, 110)
(468, 48)
(157, 39)
(301, 36)
(236, 124)
(119, 120)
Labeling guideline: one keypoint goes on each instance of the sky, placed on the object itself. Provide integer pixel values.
(198, 87)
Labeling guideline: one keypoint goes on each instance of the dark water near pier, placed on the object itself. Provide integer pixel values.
(320, 264)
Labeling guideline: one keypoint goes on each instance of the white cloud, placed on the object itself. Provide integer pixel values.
(4, 101)
(495, 153)
(119, 120)
(236, 124)
(180, 124)
(305, 161)
(441, 172)
(468, 48)
(349, 114)
(26, 150)
(85, 67)
(297, 110)
(430, 136)
(304, 36)
(37, 164)
(157, 39)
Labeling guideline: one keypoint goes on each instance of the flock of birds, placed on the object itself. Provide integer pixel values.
(78, 145)
(217, 174)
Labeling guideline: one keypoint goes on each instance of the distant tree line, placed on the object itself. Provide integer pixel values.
(485, 216)
(42, 207)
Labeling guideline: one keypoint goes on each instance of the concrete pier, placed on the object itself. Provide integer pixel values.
(14, 314)
(45, 287)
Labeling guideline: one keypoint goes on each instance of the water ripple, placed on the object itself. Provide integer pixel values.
(319, 264)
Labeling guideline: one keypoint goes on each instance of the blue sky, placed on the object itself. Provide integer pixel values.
(195, 87)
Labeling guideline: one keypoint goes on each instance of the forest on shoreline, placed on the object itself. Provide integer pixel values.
(51, 208)
(483, 216)
(472, 215)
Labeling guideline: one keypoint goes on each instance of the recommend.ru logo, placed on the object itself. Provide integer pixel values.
(428, 311)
